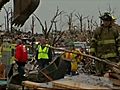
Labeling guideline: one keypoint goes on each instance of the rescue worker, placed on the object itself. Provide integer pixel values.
(6, 55)
(43, 54)
(12, 59)
(105, 44)
(21, 56)
(71, 60)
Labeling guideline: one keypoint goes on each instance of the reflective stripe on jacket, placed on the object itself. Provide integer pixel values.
(105, 43)
(69, 56)
(108, 55)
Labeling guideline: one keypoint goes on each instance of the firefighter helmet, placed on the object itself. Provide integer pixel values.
(106, 17)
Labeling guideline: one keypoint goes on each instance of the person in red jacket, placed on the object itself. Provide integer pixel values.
(21, 56)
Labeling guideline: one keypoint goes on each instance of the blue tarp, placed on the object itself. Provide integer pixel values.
(3, 82)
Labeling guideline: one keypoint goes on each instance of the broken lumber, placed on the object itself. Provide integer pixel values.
(67, 84)
(35, 86)
(29, 84)
(115, 82)
(87, 55)
(114, 75)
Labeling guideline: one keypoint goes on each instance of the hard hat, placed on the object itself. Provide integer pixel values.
(106, 17)
(36, 42)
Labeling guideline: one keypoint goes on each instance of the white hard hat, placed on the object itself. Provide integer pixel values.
(36, 42)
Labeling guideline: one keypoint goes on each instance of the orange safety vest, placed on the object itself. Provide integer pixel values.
(68, 55)
(71, 56)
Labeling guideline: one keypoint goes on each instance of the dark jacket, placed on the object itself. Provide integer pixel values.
(105, 42)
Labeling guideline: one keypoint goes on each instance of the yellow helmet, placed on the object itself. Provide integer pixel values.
(114, 18)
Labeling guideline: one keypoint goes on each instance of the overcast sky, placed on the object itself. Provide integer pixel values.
(47, 9)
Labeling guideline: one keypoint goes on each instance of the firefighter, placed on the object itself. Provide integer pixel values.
(105, 44)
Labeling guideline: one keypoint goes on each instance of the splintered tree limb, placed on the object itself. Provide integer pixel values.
(58, 13)
(48, 77)
(90, 56)
(43, 29)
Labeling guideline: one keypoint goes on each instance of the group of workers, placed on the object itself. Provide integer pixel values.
(12, 53)
(43, 54)
(105, 44)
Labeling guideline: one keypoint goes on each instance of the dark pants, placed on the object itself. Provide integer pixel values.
(10, 73)
(102, 68)
(21, 70)
(68, 63)
(42, 63)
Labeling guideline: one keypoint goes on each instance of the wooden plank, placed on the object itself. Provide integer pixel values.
(37, 86)
(74, 85)
(30, 84)
(48, 77)
(115, 75)
(108, 62)
(116, 82)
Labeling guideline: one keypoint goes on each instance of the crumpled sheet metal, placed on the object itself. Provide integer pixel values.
(22, 10)
(3, 2)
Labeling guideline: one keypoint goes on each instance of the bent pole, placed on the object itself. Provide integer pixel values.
(90, 56)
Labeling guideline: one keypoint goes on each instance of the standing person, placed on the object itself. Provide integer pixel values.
(6, 54)
(71, 60)
(44, 54)
(12, 60)
(105, 44)
(21, 56)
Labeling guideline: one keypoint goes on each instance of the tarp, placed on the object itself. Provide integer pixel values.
(22, 10)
